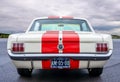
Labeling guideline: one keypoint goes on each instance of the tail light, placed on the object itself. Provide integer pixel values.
(18, 47)
(101, 47)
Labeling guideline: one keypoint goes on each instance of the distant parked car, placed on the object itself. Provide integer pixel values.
(59, 43)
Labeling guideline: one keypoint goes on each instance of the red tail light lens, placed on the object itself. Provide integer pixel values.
(101, 47)
(18, 47)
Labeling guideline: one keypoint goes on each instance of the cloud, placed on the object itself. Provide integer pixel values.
(16, 15)
(114, 31)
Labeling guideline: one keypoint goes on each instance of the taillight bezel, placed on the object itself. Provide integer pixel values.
(17, 47)
(102, 47)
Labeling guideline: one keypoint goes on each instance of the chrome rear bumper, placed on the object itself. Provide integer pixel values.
(49, 56)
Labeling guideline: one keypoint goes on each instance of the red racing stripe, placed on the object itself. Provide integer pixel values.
(71, 45)
(46, 64)
(53, 17)
(50, 42)
(49, 45)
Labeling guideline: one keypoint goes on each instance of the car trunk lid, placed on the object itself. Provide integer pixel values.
(49, 41)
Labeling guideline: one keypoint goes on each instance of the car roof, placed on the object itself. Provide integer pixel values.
(60, 17)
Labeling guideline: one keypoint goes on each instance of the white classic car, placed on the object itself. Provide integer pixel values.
(59, 43)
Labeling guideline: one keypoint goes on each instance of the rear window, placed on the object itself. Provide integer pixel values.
(60, 25)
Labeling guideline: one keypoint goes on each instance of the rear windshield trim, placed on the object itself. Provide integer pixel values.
(88, 27)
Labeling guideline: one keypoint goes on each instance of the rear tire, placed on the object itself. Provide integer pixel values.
(95, 71)
(24, 72)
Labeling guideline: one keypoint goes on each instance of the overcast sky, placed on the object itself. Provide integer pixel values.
(16, 15)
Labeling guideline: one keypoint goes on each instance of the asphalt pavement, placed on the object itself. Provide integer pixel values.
(8, 73)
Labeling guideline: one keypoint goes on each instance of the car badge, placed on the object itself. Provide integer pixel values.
(60, 46)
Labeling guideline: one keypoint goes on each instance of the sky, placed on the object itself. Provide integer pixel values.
(16, 15)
